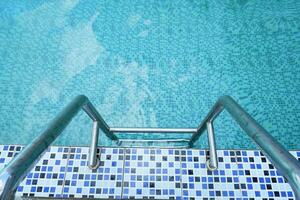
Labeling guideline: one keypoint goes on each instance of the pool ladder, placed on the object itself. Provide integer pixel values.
(17, 169)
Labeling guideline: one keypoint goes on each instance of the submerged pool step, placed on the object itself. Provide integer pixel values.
(153, 137)
(163, 143)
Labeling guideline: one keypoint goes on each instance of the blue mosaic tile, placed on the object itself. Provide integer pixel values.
(7, 153)
(259, 179)
(152, 173)
(152, 63)
(104, 182)
(200, 183)
(138, 173)
(46, 179)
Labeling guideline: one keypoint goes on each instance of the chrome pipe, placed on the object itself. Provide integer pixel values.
(17, 169)
(92, 112)
(287, 164)
(153, 130)
(93, 160)
(212, 162)
(214, 112)
(6, 191)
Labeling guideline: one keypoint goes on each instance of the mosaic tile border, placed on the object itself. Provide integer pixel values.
(138, 173)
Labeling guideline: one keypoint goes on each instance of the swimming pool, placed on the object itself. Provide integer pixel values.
(150, 64)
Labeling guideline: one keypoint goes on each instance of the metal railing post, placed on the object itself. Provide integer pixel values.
(17, 169)
(288, 165)
(95, 116)
(93, 161)
(212, 163)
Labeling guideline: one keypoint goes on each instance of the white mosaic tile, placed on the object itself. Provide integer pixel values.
(137, 173)
(259, 179)
(151, 173)
(46, 179)
(7, 153)
(200, 183)
(83, 182)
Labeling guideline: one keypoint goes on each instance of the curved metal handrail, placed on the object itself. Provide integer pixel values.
(17, 169)
(288, 166)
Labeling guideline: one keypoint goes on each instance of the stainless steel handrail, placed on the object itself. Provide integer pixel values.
(17, 169)
(288, 166)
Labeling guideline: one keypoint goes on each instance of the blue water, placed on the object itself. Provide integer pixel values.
(150, 63)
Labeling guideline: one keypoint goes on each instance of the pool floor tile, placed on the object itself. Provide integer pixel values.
(139, 173)
(7, 153)
(199, 183)
(46, 179)
(104, 182)
(259, 179)
(151, 173)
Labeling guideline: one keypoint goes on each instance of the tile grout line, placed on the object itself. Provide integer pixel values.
(238, 195)
(238, 172)
(181, 184)
(15, 154)
(123, 169)
(66, 169)
(100, 153)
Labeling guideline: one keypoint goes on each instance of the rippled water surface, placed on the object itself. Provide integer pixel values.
(150, 64)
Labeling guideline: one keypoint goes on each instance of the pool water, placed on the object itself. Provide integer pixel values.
(150, 64)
